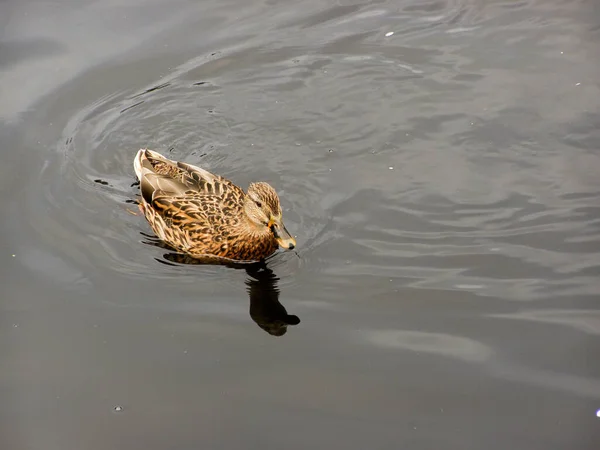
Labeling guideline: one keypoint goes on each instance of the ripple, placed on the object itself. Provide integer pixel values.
(485, 190)
(435, 343)
(89, 185)
(587, 321)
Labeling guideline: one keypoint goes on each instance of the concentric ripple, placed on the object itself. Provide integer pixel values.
(395, 160)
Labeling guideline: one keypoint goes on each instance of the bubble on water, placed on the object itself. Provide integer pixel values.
(118, 408)
(389, 33)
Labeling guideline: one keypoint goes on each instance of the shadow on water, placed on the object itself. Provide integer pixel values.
(261, 285)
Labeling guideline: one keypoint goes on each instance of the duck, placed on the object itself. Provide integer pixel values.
(206, 216)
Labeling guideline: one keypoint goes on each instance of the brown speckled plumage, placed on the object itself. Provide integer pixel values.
(205, 215)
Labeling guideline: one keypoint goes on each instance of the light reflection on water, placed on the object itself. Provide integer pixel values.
(432, 343)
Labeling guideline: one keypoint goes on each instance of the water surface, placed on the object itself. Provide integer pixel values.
(438, 162)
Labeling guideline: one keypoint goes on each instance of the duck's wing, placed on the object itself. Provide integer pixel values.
(194, 220)
(175, 178)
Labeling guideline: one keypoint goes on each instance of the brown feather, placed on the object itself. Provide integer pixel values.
(202, 214)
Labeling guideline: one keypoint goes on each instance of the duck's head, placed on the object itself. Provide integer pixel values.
(262, 207)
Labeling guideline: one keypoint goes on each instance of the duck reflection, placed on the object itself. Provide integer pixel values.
(261, 285)
(265, 308)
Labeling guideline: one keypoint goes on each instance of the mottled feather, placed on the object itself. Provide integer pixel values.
(203, 214)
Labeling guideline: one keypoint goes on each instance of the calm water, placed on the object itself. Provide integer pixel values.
(442, 182)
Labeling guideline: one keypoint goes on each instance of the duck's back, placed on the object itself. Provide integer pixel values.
(195, 211)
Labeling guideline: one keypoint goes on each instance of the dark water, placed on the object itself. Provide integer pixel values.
(443, 183)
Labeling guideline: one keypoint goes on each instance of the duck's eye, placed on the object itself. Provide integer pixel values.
(259, 204)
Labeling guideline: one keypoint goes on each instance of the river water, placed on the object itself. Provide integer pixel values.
(438, 162)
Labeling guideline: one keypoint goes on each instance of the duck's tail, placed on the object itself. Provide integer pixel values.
(138, 162)
(157, 173)
(142, 163)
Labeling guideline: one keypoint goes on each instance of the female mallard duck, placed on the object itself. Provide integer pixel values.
(207, 216)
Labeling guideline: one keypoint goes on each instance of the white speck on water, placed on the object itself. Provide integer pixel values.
(118, 408)
(391, 168)
(389, 33)
(15, 325)
(598, 413)
(13, 256)
(562, 53)
(330, 170)
(577, 84)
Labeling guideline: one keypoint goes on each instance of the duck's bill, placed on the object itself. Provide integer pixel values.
(282, 235)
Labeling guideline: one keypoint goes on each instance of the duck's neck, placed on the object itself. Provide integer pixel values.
(257, 242)
(252, 229)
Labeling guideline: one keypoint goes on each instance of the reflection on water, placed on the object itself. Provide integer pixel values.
(262, 287)
(434, 343)
(265, 308)
(586, 320)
